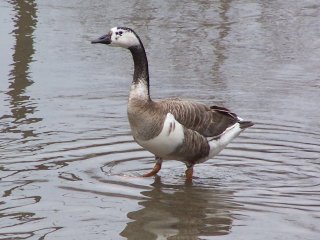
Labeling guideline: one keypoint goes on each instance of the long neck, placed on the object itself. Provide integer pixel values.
(140, 83)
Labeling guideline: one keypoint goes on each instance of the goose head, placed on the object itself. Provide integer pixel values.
(119, 37)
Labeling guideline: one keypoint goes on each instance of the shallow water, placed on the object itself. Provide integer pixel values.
(69, 166)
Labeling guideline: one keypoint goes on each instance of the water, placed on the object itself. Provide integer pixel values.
(69, 166)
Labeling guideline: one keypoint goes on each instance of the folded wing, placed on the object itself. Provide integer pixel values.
(208, 121)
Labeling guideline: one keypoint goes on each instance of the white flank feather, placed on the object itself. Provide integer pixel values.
(170, 137)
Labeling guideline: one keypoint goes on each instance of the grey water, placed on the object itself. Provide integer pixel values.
(69, 168)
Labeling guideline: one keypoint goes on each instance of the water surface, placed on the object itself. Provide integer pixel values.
(69, 167)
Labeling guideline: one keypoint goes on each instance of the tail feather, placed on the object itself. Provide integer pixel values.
(220, 142)
(246, 124)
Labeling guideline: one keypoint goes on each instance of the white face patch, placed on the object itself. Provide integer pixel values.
(122, 37)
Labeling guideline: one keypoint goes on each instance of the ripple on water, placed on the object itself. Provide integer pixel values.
(69, 166)
(267, 169)
(277, 165)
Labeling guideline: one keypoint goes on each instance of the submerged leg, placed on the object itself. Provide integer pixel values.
(189, 173)
(155, 169)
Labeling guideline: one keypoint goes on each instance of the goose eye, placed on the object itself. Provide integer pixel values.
(120, 33)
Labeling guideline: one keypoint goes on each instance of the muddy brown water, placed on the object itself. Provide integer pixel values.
(69, 167)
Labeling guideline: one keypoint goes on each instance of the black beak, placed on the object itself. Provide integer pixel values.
(105, 39)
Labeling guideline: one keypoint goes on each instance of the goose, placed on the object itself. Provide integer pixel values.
(171, 129)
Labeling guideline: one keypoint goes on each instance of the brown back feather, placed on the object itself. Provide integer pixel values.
(208, 121)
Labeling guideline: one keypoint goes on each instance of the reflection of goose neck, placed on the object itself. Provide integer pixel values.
(141, 73)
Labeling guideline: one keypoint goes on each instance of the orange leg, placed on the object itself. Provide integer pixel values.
(189, 173)
(155, 169)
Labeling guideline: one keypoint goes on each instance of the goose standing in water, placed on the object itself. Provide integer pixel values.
(171, 129)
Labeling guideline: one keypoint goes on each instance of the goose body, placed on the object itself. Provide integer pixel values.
(172, 129)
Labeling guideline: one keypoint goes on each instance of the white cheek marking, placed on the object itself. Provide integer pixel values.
(170, 137)
(126, 39)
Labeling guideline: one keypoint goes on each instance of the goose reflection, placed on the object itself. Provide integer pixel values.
(20, 103)
(181, 212)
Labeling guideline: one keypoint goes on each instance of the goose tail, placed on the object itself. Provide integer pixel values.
(245, 124)
(220, 142)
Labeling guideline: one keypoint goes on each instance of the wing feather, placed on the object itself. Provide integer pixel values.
(208, 121)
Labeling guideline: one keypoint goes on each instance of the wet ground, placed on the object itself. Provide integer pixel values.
(69, 167)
